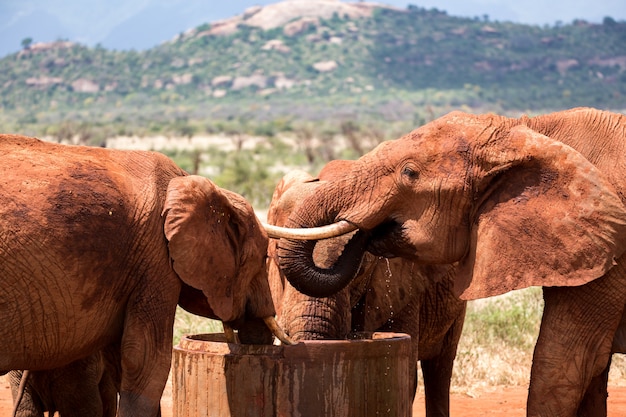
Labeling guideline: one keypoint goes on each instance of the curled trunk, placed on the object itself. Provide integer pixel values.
(296, 262)
(342, 201)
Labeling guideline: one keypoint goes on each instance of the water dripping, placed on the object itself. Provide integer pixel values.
(388, 278)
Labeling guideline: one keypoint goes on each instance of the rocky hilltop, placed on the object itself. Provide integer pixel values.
(291, 13)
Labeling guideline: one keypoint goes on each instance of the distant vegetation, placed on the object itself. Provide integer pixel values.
(398, 66)
(360, 81)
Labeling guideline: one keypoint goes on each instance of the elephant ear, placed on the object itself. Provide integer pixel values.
(547, 217)
(287, 195)
(202, 236)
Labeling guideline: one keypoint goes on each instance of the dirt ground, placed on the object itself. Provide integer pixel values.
(508, 402)
(488, 402)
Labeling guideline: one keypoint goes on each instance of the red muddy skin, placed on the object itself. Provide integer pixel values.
(96, 247)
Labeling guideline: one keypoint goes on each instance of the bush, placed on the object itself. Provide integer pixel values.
(498, 340)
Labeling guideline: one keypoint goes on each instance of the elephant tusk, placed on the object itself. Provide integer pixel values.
(314, 233)
(270, 321)
(231, 337)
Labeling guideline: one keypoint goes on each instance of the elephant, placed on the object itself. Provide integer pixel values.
(425, 309)
(512, 203)
(86, 387)
(98, 247)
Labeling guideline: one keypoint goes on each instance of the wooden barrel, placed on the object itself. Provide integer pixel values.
(364, 376)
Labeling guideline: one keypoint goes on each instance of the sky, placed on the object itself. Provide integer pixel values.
(141, 24)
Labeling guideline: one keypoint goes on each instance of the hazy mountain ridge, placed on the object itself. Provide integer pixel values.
(320, 58)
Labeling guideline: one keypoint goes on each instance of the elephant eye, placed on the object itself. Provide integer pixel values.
(410, 173)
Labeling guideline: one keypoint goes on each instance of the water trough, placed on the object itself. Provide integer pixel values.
(367, 375)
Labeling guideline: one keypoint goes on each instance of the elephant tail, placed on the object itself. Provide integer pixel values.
(20, 391)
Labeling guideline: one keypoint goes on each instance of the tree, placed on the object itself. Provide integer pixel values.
(26, 42)
(609, 21)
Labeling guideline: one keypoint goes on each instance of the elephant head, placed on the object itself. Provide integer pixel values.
(218, 248)
(386, 295)
(513, 205)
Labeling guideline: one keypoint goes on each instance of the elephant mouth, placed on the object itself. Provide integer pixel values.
(389, 239)
(298, 264)
(255, 331)
(249, 332)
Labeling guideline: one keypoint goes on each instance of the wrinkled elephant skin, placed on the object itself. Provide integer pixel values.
(95, 247)
(396, 295)
(514, 203)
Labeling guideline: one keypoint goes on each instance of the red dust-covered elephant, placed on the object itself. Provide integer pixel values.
(515, 203)
(98, 246)
(397, 295)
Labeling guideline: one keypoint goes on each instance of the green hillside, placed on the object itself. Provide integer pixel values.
(395, 66)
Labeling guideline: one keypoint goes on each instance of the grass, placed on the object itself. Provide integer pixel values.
(498, 339)
(187, 323)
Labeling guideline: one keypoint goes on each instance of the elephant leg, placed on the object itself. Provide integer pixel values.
(619, 341)
(574, 343)
(437, 373)
(594, 401)
(141, 395)
(110, 383)
(146, 352)
(74, 388)
(108, 393)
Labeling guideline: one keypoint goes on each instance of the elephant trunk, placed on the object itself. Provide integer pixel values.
(312, 318)
(346, 200)
(298, 266)
(259, 325)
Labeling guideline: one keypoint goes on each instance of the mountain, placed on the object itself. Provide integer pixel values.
(317, 60)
